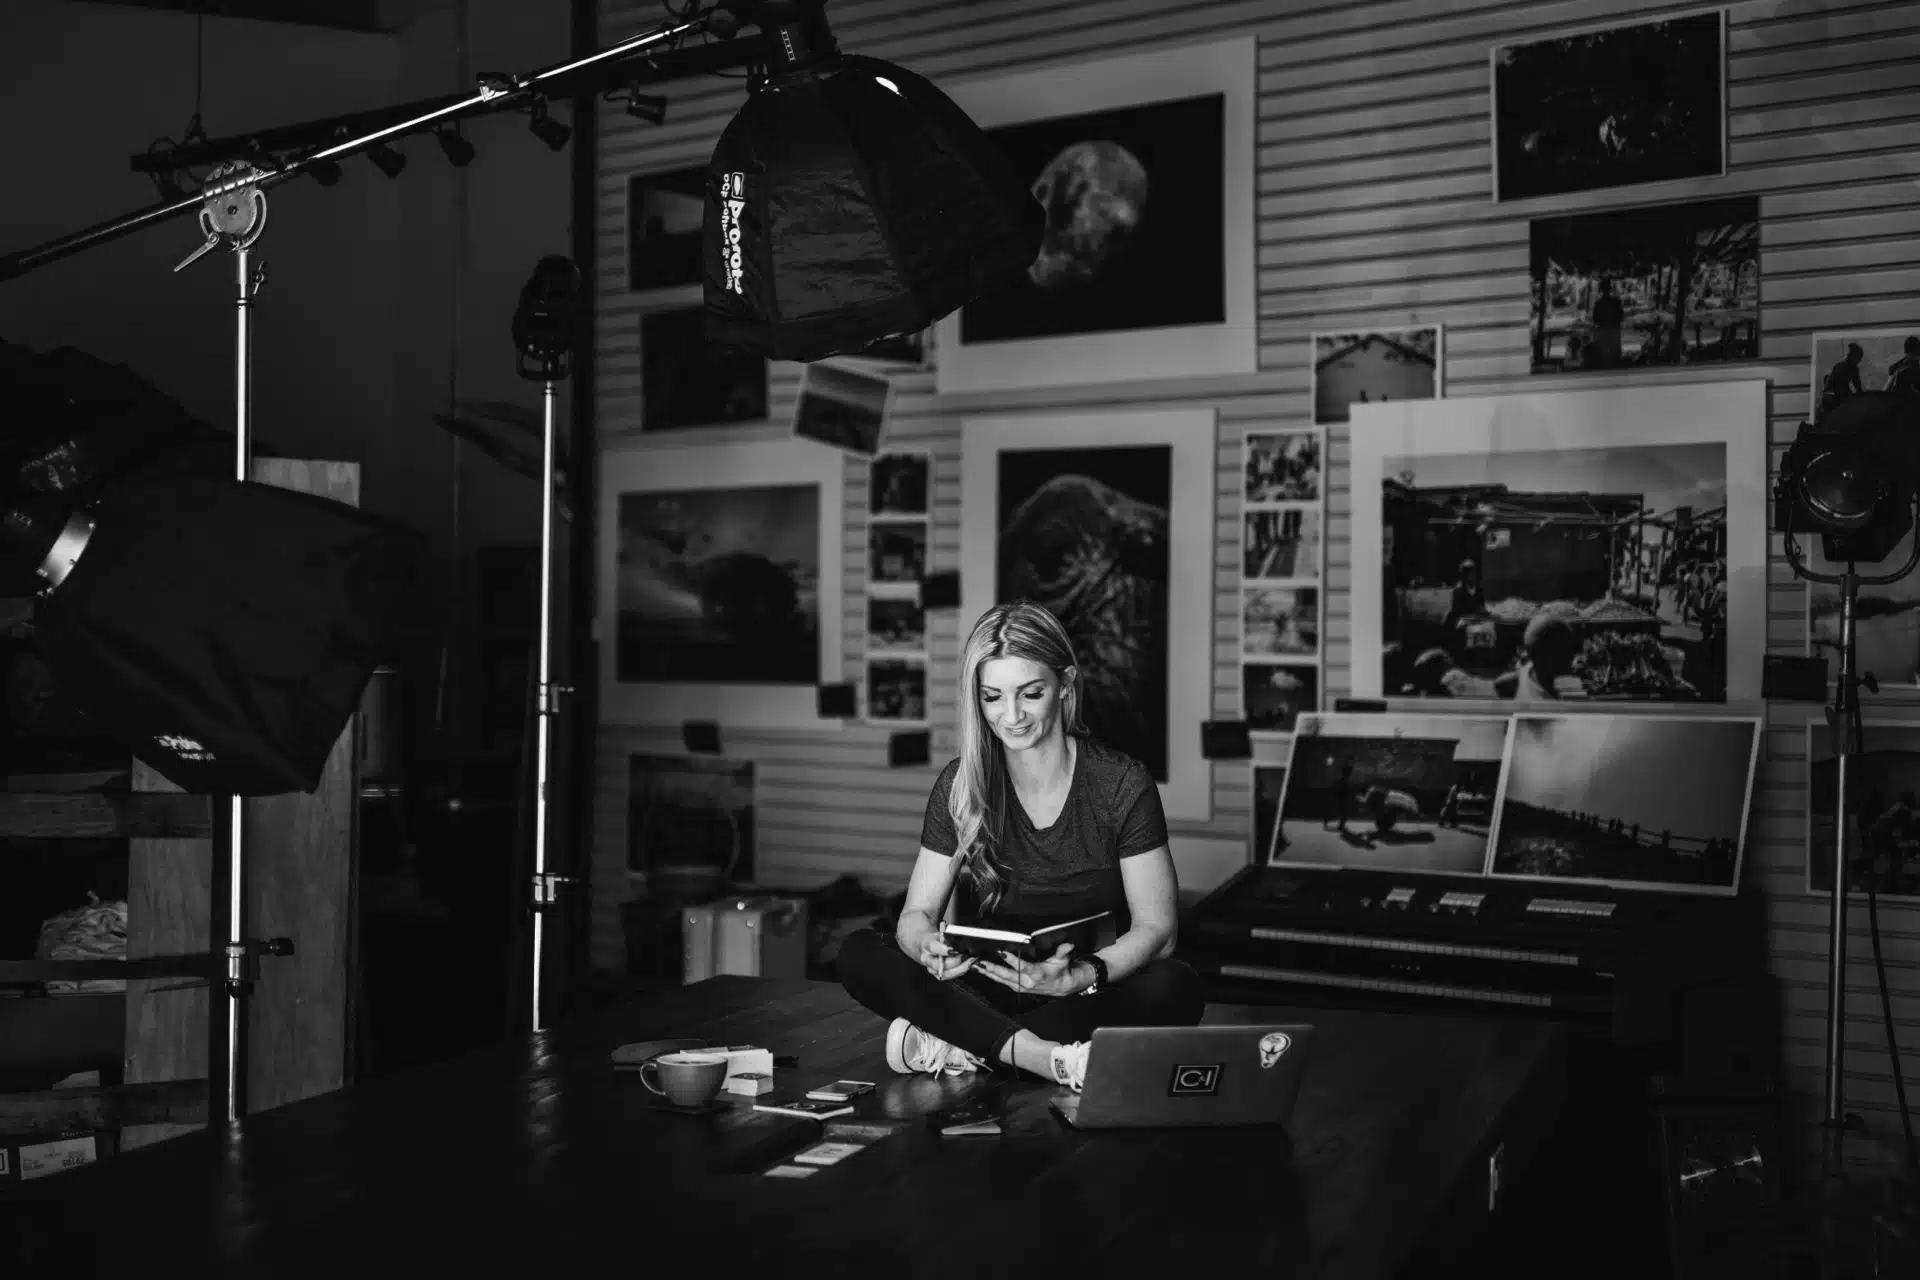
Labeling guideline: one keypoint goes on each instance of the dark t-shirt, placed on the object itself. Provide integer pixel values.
(1073, 867)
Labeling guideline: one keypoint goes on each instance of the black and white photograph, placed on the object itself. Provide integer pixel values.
(1143, 164)
(1883, 811)
(689, 823)
(1592, 798)
(1663, 284)
(896, 551)
(1282, 544)
(841, 406)
(1886, 618)
(665, 212)
(897, 691)
(1083, 533)
(687, 381)
(1374, 368)
(1617, 106)
(1849, 362)
(1106, 518)
(719, 585)
(1269, 780)
(1597, 574)
(1391, 793)
(896, 623)
(1280, 621)
(899, 484)
(1273, 695)
(1283, 466)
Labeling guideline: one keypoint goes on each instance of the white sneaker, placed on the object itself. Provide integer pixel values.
(1070, 1064)
(909, 1050)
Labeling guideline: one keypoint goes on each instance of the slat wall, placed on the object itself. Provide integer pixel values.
(1373, 203)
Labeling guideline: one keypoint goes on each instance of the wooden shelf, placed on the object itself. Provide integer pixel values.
(50, 1112)
(104, 815)
(205, 966)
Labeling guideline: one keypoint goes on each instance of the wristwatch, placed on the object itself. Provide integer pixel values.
(1099, 972)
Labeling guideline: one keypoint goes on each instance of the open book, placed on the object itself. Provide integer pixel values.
(988, 942)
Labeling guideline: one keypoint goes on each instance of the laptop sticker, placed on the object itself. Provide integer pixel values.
(1194, 1079)
(1272, 1045)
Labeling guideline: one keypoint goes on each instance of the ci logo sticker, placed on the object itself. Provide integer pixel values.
(1272, 1045)
(1194, 1079)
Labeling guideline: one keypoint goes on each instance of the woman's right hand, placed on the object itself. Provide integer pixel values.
(941, 960)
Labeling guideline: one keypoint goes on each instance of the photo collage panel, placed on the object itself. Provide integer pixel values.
(1281, 605)
(899, 537)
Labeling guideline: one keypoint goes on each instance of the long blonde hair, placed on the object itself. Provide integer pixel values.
(978, 799)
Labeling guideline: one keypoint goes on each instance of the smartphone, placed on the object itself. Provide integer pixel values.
(841, 1090)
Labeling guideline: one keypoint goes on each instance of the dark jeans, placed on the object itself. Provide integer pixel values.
(979, 1015)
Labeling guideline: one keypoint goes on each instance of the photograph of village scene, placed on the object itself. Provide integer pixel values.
(1391, 792)
(1592, 797)
(1529, 577)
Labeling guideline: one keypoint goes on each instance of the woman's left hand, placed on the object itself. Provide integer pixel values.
(1053, 976)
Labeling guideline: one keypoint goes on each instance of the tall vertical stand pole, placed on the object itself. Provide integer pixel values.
(1846, 746)
(548, 705)
(236, 987)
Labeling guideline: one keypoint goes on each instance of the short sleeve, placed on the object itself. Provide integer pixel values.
(1143, 828)
(936, 829)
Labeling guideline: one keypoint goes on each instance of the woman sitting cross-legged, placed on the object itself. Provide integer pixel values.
(1044, 824)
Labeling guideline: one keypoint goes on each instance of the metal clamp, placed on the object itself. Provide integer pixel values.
(234, 212)
(549, 699)
(546, 888)
(243, 961)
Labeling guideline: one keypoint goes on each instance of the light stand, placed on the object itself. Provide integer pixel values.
(546, 326)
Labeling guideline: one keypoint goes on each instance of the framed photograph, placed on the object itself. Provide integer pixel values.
(1273, 695)
(1886, 622)
(1656, 285)
(900, 484)
(689, 821)
(720, 582)
(896, 552)
(664, 215)
(1281, 544)
(1883, 809)
(1267, 774)
(1849, 362)
(1614, 106)
(1591, 798)
(1280, 622)
(842, 406)
(1375, 368)
(1283, 466)
(1391, 793)
(896, 691)
(687, 381)
(1601, 545)
(1145, 165)
(1107, 520)
(896, 623)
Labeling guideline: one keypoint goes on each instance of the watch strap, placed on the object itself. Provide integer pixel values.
(1099, 967)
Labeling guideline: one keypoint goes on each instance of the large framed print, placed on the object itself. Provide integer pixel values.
(1883, 793)
(719, 592)
(1106, 519)
(1627, 801)
(1620, 105)
(1145, 165)
(1605, 545)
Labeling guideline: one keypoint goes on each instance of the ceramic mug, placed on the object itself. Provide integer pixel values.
(688, 1079)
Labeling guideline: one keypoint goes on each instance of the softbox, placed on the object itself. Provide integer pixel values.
(225, 631)
(850, 201)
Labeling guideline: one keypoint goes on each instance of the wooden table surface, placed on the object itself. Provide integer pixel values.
(533, 1158)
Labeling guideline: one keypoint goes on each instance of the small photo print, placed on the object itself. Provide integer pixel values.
(896, 623)
(1374, 368)
(897, 551)
(1283, 466)
(897, 691)
(1273, 695)
(1847, 363)
(900, 484)
(1283, 544)
(1280, 621)
(842, 407)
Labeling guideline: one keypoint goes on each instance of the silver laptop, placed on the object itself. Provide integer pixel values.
(1147, 1077)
